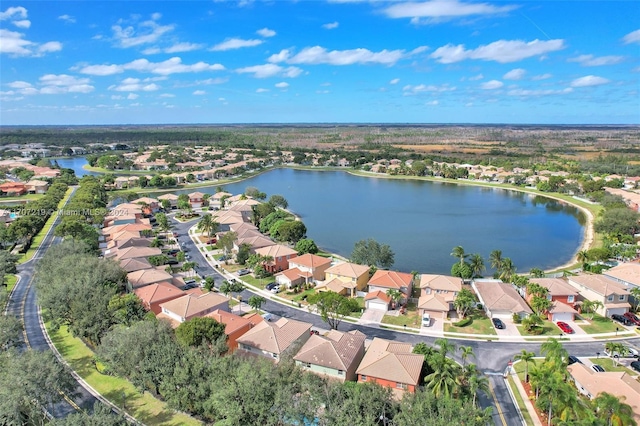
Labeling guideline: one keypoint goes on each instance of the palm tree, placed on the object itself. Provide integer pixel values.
(395, 296)
(553, 350)
(540, 304)
(207, 225)
(530, 322)
(611, 409)
(466, 352)
(443, 380)
(476, 263)
(458, 252)
(526, 357)
(446, 347)
(615, 348)
(256, 302)
(583, 256)
(508, 270)
(495, 258)
(537, 375)
(478, 382)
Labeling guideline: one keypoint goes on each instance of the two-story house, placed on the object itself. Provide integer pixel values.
(384, 281)
(279, 255)
(336, 354)
(196, 199)
(312, 264)
(437, 294)
(613, 295)
(562, 295)
(273, 339)
(171, 198)
(346, 278)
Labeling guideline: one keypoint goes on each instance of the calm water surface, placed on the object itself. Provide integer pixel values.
(76, 164)
(423, 221)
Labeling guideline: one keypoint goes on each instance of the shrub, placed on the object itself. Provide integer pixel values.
(517, 319)
(464, 322)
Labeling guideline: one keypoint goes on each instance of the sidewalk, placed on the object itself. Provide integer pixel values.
(525, 398)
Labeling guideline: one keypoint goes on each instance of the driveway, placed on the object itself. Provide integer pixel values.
(437, 325)
(372, 316)
(576, 328)
(510, 329)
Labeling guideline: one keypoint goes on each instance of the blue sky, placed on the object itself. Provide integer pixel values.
(439, 61)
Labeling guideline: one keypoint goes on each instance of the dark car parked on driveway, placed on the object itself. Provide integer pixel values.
(635, 365)
(497, 323)
(573, 359)
(632, 317)
(621, 319)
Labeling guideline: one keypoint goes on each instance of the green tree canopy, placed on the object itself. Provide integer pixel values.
(371, 253)
(201, 331)
(333, 307)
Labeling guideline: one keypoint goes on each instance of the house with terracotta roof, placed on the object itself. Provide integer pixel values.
(336, 354)
(292, 278)
(133, 264)
(383, 281)
(121, 182)
(196, 199)
(13, 188)
(254, 242)
(152, 203)
(437, 294)
(235, 326)
(562, 295)
(135, 252)
(144, 277)
(123, 243)
(274, 339)
(37, 186)
(171, 198)
(620, 384)
(500, 300)
(155, 294)
(312, 264)
(190, 306)
(391, 364)
(354, 277)
(627, 274)
(280, 255)
(613, 295)
(227, 218)
(377, 300)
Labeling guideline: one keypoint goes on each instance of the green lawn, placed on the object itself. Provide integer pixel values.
(37, 240)
(548, 329)
(411, 317)
(25, 197)
(142, 406)
(480, 324)
(608, 364)
(600, 324)
(256, 282)
(11, 282)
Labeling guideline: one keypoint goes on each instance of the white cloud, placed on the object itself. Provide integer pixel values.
(235, 43)
(133, 85)
(476, 77)
(270, 70)
(151, 51)
(199, 92)
(502, 51)
(266, 32)
(133, 96)
(167, 95)
(261, 90)
(544, 76)
(53, 84)
(183, 47)
(23, 23)
(319, 55)
(282, 85)
(281, 56)
(12, 11)
(67, 18)
(19, 84)
(443, 9)
(322, 92)
(331, 25)
(421, 88)
(395, 81)
(14, 44)
(170, 66)
(117, 97)
(492, 85)
(589, 80)
(544, 92)
(515, 74)
(147, 32)
(592, 61)
(432, 103)
(632, 37)
(156, 16)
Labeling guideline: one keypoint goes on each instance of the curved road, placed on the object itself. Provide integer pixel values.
(491, 358)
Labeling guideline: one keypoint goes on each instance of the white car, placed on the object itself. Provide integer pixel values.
(276, 289)
(426, 320)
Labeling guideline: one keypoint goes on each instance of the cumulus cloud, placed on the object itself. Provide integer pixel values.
(13, 43)
(270, 70)
(589, 80)
(430, 88)
(331, 25)
(394, 81)
(170, 66)
(199, 92)
(67, 18)
(440, 9)
(632, 37)
(515, 74)
(282, 85)
(492, 85)
(266, 32)
(133, 96)
(133, 85)
(319, 55)
(502, 51)
(53, 84)
(17, 16)
(146, 32)
(544, 76)
(183, 47)
(261, 90)
(235, 43)
(592, 61)
(534, 93)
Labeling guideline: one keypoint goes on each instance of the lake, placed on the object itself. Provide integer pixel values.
(76, 164)
(422, 221)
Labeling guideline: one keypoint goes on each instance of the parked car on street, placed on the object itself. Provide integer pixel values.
(497, 323)
(597, 368)
(275, 289)
(566, 328)
(270, 286)
(621, 319)
(632, 317)
(635, 365)
(242, 272)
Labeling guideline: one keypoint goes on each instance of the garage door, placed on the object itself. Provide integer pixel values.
(374, 304)
(619, 311)
(562, 316)
(502, 314)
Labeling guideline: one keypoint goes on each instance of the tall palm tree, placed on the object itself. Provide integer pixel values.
(443, 380)
(495, 258)
(476, 263)
(458, 252)
(508, 270)
(612, 408)
(553, 350)
(526, 357)
(446, 347)
(466, 352)
(583, 256)
(395, 296)
(208, 225)
(478, 382)
(615, 348)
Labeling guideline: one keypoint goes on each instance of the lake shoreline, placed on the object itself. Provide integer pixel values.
(588, 237)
